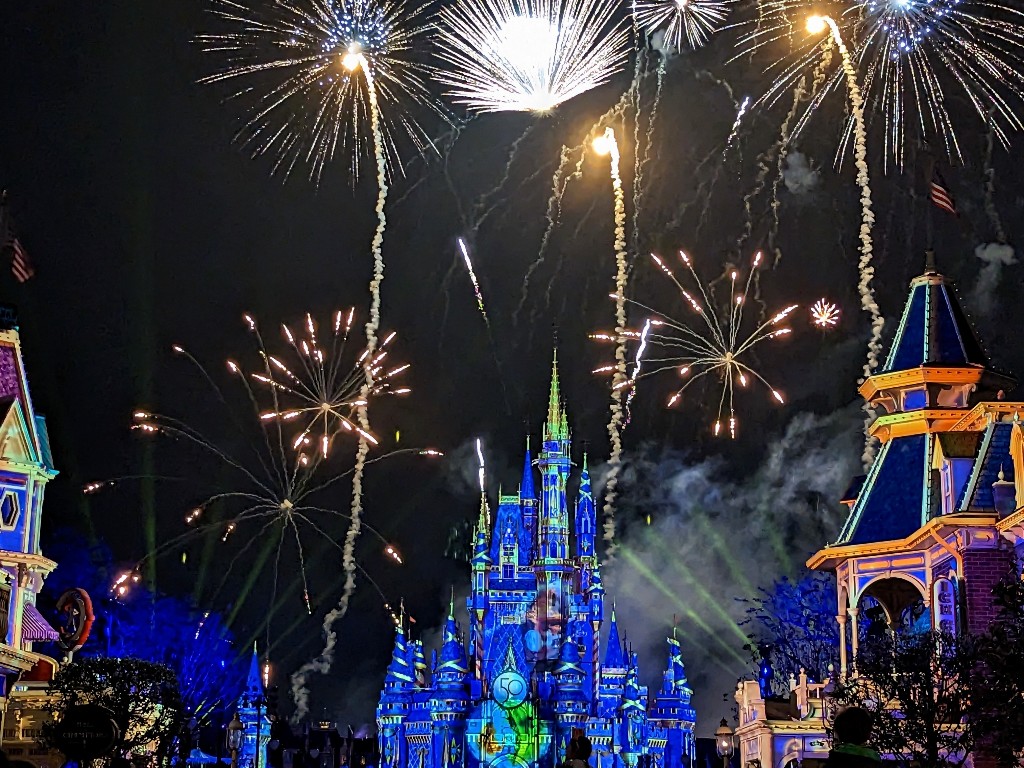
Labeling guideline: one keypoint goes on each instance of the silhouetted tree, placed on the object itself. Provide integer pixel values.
(794, 622)
(142, 697)
(924, 691)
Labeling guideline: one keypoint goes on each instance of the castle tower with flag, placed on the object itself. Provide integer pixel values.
(534, 668)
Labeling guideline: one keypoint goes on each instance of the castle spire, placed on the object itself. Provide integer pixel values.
(613, 657)
(527, 489)
(552, 428)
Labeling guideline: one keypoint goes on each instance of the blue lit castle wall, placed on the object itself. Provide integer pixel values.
(532, 669)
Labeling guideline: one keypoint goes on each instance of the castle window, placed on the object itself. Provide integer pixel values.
(508, 571)
(9, 510)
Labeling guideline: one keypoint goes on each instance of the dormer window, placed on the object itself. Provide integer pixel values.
(9, 509)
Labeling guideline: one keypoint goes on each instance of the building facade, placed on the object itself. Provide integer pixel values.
(536, 668)
(25, 468)
(933, 525)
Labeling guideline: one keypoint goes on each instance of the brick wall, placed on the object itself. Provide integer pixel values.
(983, 569)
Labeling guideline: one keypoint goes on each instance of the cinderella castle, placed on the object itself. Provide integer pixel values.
(536, 669)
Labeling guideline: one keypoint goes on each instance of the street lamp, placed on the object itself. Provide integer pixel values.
(723, 742)
(234, 738)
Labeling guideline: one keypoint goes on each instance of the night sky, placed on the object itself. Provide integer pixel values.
(149, 227)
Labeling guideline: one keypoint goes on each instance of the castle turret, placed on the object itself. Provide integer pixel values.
(672, 710)
(554, 466)
(586, 522)
(253, 714)
(451, 694)
(529, 506)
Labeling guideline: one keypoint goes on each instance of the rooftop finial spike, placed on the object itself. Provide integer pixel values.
(451, 603)
(929, 262)
(551, 428)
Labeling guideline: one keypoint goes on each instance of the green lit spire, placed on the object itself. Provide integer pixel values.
(557, 425)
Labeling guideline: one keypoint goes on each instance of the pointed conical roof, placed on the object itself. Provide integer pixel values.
(585, 502)
(556, 427)
(613, 656)
(400, 671)
(453, 655)
(934, 329)
(254, 680)
(527, 489)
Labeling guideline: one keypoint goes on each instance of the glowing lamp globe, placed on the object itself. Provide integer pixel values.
(816, 24)
(723, 740)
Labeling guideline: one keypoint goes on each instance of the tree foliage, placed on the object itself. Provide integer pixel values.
(794, 624)
(142, 697)
(169, 630)
(1002, 693)
(923, 688)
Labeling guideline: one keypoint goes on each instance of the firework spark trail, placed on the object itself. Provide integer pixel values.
(638, 362)
(476, 283)
(734, 133)
(607, 145)
(990, 186)
(559, 183)
(783, 149)
(642, 154)
(323, 662)
(487, 321)
(480, 213)
(865, 267)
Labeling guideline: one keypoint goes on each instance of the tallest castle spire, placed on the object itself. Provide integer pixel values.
(556, 427)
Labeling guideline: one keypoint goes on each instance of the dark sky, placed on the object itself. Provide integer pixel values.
(149, 227)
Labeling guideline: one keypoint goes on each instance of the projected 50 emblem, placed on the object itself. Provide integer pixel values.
(509, 689)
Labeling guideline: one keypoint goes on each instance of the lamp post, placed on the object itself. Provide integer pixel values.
(723, 742)
(234, 738)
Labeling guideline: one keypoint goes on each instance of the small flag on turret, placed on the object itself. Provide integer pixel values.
(940, 194)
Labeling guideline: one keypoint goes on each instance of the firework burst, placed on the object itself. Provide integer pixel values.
(295, 65)
(714, 343)
(912, 56)
(267, 493)
(323, 383)
(528, 55)
(825, 314)
(692, 20)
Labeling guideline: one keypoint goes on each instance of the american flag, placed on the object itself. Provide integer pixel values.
(941, 195)
(21, 264)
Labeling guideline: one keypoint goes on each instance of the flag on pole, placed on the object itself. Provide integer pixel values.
(21, 264)
(940, 194)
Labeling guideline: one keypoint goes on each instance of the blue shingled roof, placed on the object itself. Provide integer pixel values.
(993, 455)
(933, 330)
(890, 505)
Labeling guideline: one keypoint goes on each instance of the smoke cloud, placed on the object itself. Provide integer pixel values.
(799, 175)
(716, 534)
(996, 256)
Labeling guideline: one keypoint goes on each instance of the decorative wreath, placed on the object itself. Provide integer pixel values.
(75, 618)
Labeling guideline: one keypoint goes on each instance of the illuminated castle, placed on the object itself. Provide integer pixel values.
(537, 668)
